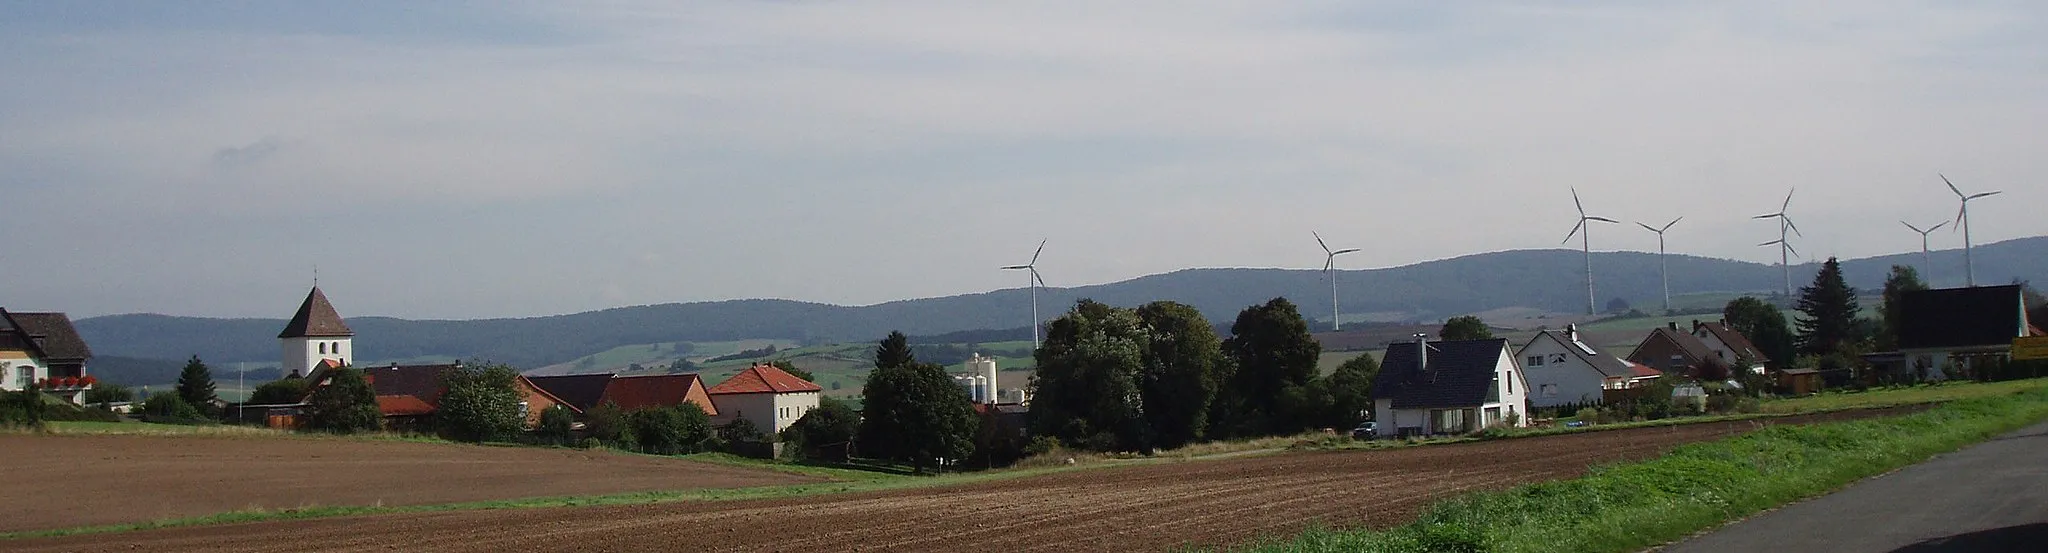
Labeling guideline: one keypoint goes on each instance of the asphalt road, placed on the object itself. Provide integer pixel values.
(1990, 497)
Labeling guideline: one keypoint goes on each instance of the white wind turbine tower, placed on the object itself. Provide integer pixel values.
(1662, 266)
(1785, 250)
(1963, 219)
(1585, 233)
(1034, 281)
(1924, 257)
(1330, 268)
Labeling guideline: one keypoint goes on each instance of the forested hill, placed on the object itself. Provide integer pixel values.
(1547, 279)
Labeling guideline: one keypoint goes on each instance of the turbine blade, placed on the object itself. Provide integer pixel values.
(1951, 185)
(1342, 252)
(1603, 220)
(1649, 228)
(1770, 243)
(1319, 241)
(1329, 263)
(1034, 255)
(1795, 227)
(1667, 226)
(1575, 201)
(1937, 226)
(1016, 267)
(1788, 201)
(1789, 248)
(1769, 216)
(1575, 232)
(1960, 214)
(1035, 276)
(1915, 229)
(1981, 195)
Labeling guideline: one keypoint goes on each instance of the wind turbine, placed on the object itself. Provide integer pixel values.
(1785, 250)
(1330, 268)
(1924, 258)
(1585, 233)
(1662, 266)
(1034, 282)
(1963, 219)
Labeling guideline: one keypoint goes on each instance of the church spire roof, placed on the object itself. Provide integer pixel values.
(316, 318)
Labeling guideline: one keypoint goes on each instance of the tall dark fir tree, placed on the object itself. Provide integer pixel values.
(1827, 313)
(195, 385)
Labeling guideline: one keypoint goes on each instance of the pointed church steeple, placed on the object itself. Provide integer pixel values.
(316, 319)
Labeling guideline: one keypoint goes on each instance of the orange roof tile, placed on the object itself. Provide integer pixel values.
(392, 406)
(634, 392)
(763, 379)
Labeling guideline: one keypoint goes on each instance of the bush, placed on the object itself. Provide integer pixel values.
(103, 393)
(740, 431)
(22, 408)
(168, 407)
(1041, 445)
(670, 430)
(1590, 415)
(556, 426)
(607, 424)
(832, 424)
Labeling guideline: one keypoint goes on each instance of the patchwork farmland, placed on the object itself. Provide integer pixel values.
(1151, 506)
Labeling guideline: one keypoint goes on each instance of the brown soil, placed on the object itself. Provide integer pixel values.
(69, 481)
(1141, 507)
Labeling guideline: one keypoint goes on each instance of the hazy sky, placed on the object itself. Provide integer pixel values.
(438, 161)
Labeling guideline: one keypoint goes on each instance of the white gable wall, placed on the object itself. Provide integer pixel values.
(770, 413)
(302, 354)
(1561, 377)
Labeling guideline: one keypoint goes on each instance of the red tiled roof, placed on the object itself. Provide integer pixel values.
(395, 406)
(633, 392)
(1642, 370)
(763, 379)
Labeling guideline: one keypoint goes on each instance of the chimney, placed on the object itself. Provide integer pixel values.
(1696, 325)
(1673, 325)
(1571, 332)
(1421, 352)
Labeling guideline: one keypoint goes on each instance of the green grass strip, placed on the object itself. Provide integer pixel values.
(1696, 487)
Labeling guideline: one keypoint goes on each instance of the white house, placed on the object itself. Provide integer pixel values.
(314, 334)
(1959, 327)
(1430, 388)
(1563, 369)
(43, 350)
(1729, 345)
(769, 397)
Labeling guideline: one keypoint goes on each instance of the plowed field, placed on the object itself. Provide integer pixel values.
(90, 480)
(1139, 507)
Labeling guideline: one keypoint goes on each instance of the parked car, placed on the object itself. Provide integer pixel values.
(1365, 431)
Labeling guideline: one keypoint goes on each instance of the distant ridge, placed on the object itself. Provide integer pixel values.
(1544, 279)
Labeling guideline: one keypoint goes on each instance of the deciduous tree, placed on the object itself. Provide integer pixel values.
(833, 423)
(1273, 357)
(913, 411)
(280, 391)
(1350, 390)
(1903, 278)
(1465, 328)
(1087, 390)
(1179, 378)
(480, 404)
(1765, 326)
(345, 405)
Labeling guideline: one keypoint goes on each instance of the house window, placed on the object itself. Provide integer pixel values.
(1510, 379)
(1535, 361)
(524, 408)
(28, 375)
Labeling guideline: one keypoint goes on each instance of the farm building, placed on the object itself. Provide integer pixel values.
(771, 398)
(1562, 369)
(583, 392)
(1430, 388)
(408, 395)
(44, 350)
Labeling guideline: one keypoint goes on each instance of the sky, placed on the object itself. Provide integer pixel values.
(510, 159)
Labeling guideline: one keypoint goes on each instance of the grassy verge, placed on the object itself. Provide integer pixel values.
(1699, 486)
(1888, 397)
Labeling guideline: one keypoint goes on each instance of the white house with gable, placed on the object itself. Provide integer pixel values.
(769, 397)
(1432, 388)
(1563, 369)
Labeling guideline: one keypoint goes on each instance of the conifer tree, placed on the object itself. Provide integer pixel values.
(1828, 308)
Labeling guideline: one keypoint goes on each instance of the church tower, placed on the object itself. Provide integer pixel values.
(316, 333)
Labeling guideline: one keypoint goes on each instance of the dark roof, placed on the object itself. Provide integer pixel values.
(1460, 374)
(1735, 340)
(420, 381)
(1695, 351)
(316, 319)
(1961, 317)
(403, 406)
(581, 391)
(52, 334)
